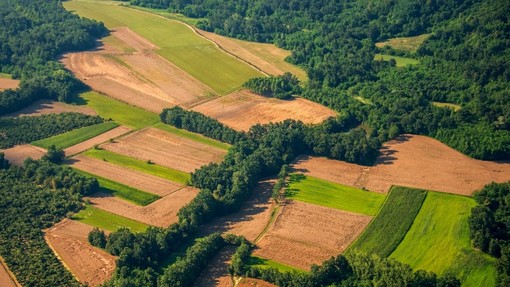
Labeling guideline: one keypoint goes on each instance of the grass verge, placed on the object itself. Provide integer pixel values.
(259, 262)
(192, 136)
(401, 61)
(106, 220)
(454, 107)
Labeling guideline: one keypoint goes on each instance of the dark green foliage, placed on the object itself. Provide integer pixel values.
(281, 183)
(280, 87)
(4, 163)
(238, 263)
(54, 155)
(20, 130)
(97, 238)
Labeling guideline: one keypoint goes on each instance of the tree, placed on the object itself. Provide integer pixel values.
(54, 155)
(97, 238)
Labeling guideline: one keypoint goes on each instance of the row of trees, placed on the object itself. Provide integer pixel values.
(280, 87)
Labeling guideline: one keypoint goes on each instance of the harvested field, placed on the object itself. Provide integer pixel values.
(216, 273)
(413, 161)
(131, 39)
(17, 155)
(43, 107)
(6, 84)
(293, 238)
(89, 264)
(90, 143)
(243, 109)
(166, 149)
(410, 44)
(123, 175)
(251, 282)
(162, 212)
(7, 279)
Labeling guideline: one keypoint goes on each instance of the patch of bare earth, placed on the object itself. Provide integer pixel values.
(123, 175)
(216, 273)
(243, 109)
(17, 155)
(306, 234)
(6, 84)
(162, 212)
(43, 107)
(141, 78)
(252, 282)
(7, 279)
(90, 143)
(166, 149)
(413, 161)
(89, 264)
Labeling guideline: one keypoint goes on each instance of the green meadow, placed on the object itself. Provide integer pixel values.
(106, 220)
(255, 261)
(192, 136)
(401, 61)
(454, 107)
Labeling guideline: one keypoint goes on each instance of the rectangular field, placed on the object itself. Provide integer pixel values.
(410, 44)
(401, 61)
(90, 143)
(192, 136)
(260, 262)
(107, 220)
(318, 191)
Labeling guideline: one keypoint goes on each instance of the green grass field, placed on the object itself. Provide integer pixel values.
(120, 112)
(321, 192)
(177, 42)
(438, 241)
(140, 165)
(106, 220)
(410, 44)
(192, 136)
(255, 261)
(76, 136)
(389, 227)
(5, 76)
(125, 192)
(454, 107)
(401, 61)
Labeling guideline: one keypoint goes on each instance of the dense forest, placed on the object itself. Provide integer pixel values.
(33, 34)
(464, 61)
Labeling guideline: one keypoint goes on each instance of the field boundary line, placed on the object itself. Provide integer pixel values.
(8, 270)
(278, 209)
(58, 256)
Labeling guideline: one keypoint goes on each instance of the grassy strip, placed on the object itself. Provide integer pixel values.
(106, 220)
(454, 107)
(5, 76)
(410, 44)
(140, 165)
(77, 136)
(120, 112)
(192, 136)
(387, 230)
(259, 262)
(123, 191)
(438, 241)
(401, 61)
(321, 192)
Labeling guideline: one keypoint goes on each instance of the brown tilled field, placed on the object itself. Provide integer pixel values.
(17, 155)
(6, 84)
(123, 175)
(251, 282)
(413, 161)
(162, 212)
(216, 273)
(306, 234)
(243, 109)
(7, 279)
(166, 149)
(43, 107)
(89, 264)
(90, 143)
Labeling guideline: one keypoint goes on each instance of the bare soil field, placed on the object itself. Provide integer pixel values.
(166, 149)
(243, 109)
(141, 78)
(216, 273)
(251, 282)
(252, 217)
(90, 143)
(89, 264)
(43, 107)
(17, 155)
(6, 84)
(123, 175)
(7, 279)
(413, 161)
(162, 212)
(306, 234)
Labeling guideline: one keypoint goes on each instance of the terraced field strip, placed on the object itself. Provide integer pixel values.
(260, 262)
(107, 220)
(410, 44)
(438, 241)
(192, 136)
(178, 43)
(391, 224)
(321, 192)
(76, 136)
(401, 61)
(90, 143)
(140, 165)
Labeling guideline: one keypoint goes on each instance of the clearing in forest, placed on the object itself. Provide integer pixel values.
(44, 107)
(107, 220)
(400, 61)
(243, 109)
(91, 265)
(409, 44)
(17, 155)
(454, 107)
(6, 84)
(414, 161)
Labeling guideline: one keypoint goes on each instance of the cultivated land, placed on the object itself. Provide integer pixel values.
(6, 84)
(90, 143)
(89, 264)
(251, 282)
(216, 273)
(192, 136)
(293, 240)
(410, 44)
(7, 279)
(107, 220)
(243, 109)
(267, 263)
(162, 212)
(401, 61)
(166, 149)
(17, 155)
(43, 107)
(439, 241)
(195, 55)
(414, 161)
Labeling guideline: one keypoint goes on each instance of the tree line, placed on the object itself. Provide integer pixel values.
(280, 87)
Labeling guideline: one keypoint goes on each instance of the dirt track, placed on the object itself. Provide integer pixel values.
(43, 107)
(89, 264)
(243, 109)
(17, 155)
(90, 143)
(413, 161)
(8, 84)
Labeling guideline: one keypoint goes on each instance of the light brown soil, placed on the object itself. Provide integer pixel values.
(413, 161)
(131, 39)
(123, 175)
(166, 149)
(89, 264)
(43, 107)
(216, 273)
(162, 212)
(243, 109)
(17, 155)
(6, 84)
(251, 282)
(7, 279)
(90, 143)
(306, 234)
